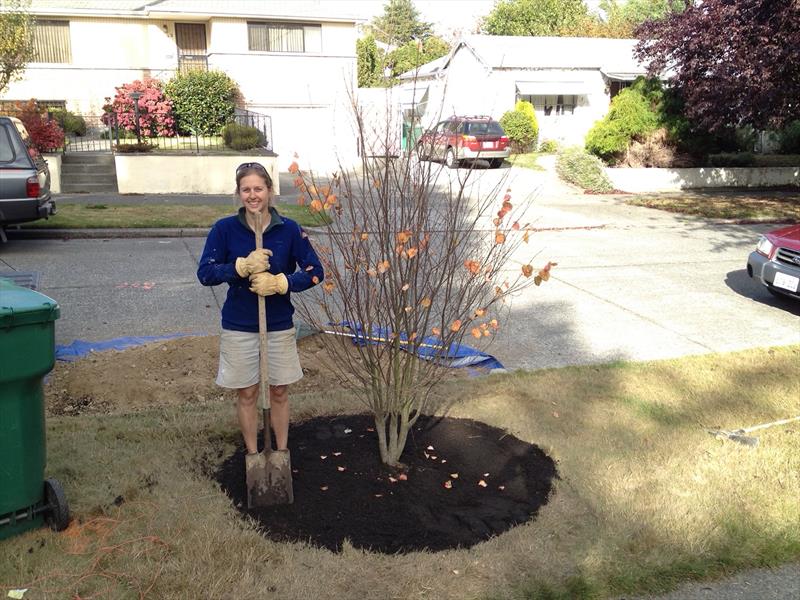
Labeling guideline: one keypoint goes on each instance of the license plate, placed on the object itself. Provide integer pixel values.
(786, 282)
(486, 145)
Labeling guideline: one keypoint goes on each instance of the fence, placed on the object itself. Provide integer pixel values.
(115, 131)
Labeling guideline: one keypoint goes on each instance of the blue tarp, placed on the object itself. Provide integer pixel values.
(80, 348)
(430, 348)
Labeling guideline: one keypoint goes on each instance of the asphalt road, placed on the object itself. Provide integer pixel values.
(631, 284)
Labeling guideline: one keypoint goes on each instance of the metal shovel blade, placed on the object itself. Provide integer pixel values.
(269, 478)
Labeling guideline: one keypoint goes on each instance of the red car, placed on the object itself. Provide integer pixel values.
(776, 261)
(465, 138)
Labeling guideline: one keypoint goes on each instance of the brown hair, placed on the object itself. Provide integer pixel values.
(252, 168)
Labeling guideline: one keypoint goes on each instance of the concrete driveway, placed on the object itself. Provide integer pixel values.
(631, 283)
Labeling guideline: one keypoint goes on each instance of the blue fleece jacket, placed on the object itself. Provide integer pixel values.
(231, 238)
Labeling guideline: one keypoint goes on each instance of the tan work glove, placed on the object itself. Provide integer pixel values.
(267, 284)
(255, 262)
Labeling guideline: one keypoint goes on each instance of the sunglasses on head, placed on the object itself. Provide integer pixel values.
(250, 165)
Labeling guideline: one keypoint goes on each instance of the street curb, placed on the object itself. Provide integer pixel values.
(77, 234)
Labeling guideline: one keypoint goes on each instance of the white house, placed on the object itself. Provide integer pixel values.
(569, 81)
(294, 61)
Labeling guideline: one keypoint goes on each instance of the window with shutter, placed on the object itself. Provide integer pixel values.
(51, 41)
(284, 37)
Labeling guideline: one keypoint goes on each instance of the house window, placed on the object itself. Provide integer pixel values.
(284, 37)
(551, 106)
(617, 86)
(51, 41)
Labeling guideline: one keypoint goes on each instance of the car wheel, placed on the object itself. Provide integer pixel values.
(450, 159)
(496, 163)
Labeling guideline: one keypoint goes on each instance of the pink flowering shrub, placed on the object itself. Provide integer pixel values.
(156, 117)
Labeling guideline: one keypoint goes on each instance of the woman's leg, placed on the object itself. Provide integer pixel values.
(279, 414)
(247, 412)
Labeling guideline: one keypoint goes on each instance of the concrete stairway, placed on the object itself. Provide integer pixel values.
(88, 172)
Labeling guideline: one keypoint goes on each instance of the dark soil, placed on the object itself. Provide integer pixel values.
(462, 483)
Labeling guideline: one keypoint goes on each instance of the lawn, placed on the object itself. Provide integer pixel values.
(741, 205)
(527, 160)
(101, 216)
(647, 497)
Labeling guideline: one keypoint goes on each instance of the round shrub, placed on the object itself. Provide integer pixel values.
(204, 101)
(526, 108)
(521, 131)
(549, 147)
(69, 122)
(46, 134)
(578, 167)
(241, 137)
(629, 117)
(790, 138)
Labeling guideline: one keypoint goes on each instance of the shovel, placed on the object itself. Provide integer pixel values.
(740, 436)
(269, 473)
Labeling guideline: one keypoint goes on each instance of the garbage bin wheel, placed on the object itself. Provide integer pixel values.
(57, 515)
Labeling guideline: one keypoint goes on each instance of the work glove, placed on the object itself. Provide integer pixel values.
(255, 262)
(267, 284)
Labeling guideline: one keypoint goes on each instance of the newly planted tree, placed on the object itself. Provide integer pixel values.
(414, 263)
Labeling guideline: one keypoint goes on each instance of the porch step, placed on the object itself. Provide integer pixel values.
(88, 172)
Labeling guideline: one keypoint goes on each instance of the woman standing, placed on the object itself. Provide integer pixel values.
(287, 264)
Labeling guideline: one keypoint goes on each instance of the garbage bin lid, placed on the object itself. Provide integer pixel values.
(21, 306)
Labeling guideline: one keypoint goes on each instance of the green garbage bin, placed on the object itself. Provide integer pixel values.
(27, 354)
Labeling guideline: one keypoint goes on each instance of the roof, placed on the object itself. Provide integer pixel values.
(525, 52)
(348, 11)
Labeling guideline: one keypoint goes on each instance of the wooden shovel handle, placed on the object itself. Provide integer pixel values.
(263, 369)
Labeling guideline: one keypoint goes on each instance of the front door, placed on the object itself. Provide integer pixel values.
(191, 41)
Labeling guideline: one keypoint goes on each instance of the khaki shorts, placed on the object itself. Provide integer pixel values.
(239, 357)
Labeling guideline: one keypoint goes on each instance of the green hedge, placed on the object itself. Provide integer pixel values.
(630, 117)
(578, 167)
(241, 137)
(521, 127)
(69, 122)
(203, 101)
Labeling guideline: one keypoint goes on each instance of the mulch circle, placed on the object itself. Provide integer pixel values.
(463, 482)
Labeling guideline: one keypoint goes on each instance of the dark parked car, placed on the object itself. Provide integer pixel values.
(24, 177)
(776, 261)
(465, 138)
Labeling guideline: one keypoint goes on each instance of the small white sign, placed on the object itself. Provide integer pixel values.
(786, 282)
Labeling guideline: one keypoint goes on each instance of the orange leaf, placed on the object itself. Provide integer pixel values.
(507, 197)
(383, 267)
(544, 275)
(479, 312)
(473, 266)
(425, 302)
(476, 333)
(328, 286)
(298, 181)
(294, 168)
(499, 237)
(527, 270)
(497, 222)
(525, 237)
(411, 252)
(331, 199)
(405, 287)
(482, 483)
(301, 200)
(315, 206)
(364, 237)
(372, 272)
(403, 236)
(402, 477)
(448, 484)
(408, 309)
(455, 325)
(498, 290)
(515, 226)
(507, 206)
(494, 323)
(537, 280)
(436, 331)
(376, 183)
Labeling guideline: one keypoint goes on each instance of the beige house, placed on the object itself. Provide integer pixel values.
(293, 60)
(569, 81)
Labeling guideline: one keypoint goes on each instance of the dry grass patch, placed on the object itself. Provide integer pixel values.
(756, 205)
(646, 498)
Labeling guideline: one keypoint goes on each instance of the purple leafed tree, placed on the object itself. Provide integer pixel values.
(734, 62)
